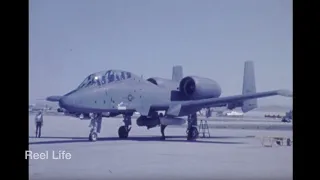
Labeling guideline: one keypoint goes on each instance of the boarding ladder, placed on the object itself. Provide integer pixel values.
(204, 128)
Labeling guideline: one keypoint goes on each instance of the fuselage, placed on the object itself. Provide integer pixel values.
(118, 96)
(122, 93)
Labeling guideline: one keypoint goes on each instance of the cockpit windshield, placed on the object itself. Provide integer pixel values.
(105, 77)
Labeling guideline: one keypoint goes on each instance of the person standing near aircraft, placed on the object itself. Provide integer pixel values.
(208, 112)
(39, 123)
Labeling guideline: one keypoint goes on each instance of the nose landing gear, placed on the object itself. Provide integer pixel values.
(95, 125)
(93, 136)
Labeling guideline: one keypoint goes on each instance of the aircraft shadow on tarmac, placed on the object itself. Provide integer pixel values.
(140, 138)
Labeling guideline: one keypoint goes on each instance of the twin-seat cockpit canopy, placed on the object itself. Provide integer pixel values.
(105, 77)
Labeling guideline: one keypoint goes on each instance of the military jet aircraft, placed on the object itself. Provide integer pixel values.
(122, 92)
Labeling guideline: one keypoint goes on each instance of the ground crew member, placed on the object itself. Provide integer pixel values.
(208, 112)
(39, 123)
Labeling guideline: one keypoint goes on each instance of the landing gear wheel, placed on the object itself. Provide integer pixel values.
(123, 132)
(192, 133)
(93, 136)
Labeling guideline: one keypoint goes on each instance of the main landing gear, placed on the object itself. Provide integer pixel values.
(162, 128)
(192, 130)
(123, 131)
(95, 125)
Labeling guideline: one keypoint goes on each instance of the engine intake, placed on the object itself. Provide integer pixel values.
(199, 88)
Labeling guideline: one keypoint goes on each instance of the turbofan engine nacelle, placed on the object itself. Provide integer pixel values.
(161, 82)
(199, 88)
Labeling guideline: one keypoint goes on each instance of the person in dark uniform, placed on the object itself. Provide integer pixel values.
(208, 112)
(39, 123)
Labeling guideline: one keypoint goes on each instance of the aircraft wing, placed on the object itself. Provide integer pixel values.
(179, 109)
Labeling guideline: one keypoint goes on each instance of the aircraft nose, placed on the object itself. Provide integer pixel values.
(64, 102)
(69, 103)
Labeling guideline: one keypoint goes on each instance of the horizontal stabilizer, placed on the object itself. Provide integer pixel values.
(285, 93)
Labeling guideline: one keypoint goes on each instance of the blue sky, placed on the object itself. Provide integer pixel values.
(69, 39)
